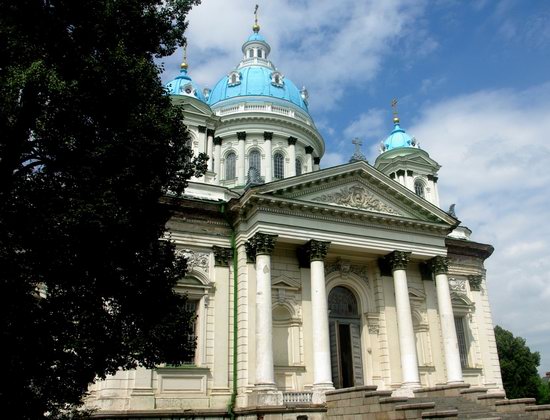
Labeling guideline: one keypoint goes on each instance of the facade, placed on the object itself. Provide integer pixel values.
(304, 279)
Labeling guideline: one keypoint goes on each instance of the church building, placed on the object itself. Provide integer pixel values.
(306, 280)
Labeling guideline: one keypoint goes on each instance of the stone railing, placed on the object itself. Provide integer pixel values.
(303, 397)
(272, 109)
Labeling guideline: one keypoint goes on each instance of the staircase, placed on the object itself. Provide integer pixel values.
(440, 402)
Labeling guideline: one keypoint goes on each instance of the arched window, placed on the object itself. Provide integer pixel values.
(419, 188)
(278, 166)
(298, 167)
(230, 166)
(255, 161)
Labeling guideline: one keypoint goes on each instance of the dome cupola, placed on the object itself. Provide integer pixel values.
(398, 137)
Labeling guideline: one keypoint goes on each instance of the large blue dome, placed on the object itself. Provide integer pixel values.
(256, 81)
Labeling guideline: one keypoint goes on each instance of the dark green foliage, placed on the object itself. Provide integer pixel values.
(518, 366)
(89, 144)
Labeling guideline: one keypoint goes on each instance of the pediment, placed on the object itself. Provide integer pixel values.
(192, 105)
(285, 282)
(354, 187)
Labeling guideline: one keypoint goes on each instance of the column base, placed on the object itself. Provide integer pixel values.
(406, 390)
(266, 395)
(319, 392)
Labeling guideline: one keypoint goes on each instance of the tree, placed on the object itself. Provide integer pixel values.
(518, 365)
(90, 144)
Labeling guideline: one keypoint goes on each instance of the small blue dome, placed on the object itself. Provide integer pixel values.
(183, 85)
(256, 37)
(256, 81)
(398, 138)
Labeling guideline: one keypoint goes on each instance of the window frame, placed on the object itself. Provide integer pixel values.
(278, 165)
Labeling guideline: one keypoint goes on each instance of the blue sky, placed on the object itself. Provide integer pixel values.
(473, 83)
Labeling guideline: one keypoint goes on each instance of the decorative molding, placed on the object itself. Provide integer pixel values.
(457, 285)
(356, 196)
(221, 256)
(398, 260)
(195, 259)
(439, 265)
(475, 282)
(259, 244)
(345, 268)
(373, 322)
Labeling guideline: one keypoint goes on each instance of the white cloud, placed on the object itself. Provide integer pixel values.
(495, 153)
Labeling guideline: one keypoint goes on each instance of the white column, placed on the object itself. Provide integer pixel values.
(262, 245)
(322, 376)
(220, 372)
(241, 169)
(292, 155)
(268, 136)
(409, 362)
(210, 147)
(309, 159)
(217, 158)
(446, 316)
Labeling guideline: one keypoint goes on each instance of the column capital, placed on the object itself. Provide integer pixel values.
(316, 250)
(292, 141)
(202, 129)
(259, 244)
(316, 160)
(309, 150)
(398, 260)
(210, 132)
(217, 141)
(241, 135)
(475, 282)
(268, 135)
(221, 256)
(439, 265)
(400, 172)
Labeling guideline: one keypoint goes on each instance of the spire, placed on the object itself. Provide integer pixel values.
(184, 65)
(395, 114)
(256, 26)
(357, 155)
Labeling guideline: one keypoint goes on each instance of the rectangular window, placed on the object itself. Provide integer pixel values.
(461, 337)
(192, 306)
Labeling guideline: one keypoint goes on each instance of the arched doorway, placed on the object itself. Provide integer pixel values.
(345, 338)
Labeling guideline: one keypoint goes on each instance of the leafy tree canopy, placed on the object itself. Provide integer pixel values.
(89, 144)
(518, 365)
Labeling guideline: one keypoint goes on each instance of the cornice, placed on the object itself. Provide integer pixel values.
(468, 248)
(316, 211)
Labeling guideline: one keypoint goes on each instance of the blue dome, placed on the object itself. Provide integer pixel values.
(256, 37)
(398, 138)
(256, 81)
(183, 85)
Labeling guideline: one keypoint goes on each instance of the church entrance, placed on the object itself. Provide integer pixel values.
(345, 338)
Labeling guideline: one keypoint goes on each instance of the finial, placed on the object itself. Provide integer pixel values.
(394, 107)
(184, 64)
(256, 27)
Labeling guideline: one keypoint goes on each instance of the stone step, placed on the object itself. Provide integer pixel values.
(440, 414)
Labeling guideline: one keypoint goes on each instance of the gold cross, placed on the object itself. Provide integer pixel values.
(394, 106)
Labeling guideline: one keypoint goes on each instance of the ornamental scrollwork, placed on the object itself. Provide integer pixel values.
(457, 285)
(357, 197)
(345, 267)
(194, 259)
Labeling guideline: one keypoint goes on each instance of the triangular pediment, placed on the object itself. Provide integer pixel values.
(357, 187)
(285, 282)
(192, 106)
